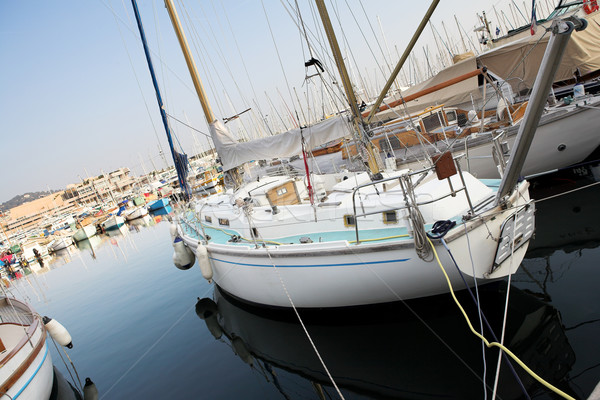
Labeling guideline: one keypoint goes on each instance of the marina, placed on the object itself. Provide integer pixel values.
(149, 326)
(428, 229)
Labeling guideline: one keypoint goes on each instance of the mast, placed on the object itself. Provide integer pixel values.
(233, 174)
(405, 55)
(210, 117)
(180, 160)
(337, 55)
(561, 32)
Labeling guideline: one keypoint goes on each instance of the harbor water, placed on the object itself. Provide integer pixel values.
(143, 329)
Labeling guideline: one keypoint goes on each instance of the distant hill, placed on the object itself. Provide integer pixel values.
(23, 198)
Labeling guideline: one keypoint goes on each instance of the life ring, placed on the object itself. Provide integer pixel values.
(590, 6)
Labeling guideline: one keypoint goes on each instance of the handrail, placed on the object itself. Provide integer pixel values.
(424, 172)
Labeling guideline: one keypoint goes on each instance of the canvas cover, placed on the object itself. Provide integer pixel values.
(582, 52)
(287, 144)
(458, 93)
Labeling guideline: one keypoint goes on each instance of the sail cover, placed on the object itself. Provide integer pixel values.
(518, 61)
(287, 144)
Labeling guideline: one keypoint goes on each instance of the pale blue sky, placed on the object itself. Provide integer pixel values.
(70, 101)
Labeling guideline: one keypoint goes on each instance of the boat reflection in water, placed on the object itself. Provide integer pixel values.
(91, 244)
(144, 221)
(162, 211)
(419, 349)
(570, 221)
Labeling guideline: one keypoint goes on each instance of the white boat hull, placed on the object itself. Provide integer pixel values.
(84, 233)
(137, 213)
(61, 243)
(562, 139)
(113, 222)
(337, 273)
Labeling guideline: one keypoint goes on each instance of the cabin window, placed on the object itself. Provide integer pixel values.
(208, 219)
(349, 220)
(223, 221)
(432, 122)
(451, 116)
(254, 233)
(390, 217)
(281, 191)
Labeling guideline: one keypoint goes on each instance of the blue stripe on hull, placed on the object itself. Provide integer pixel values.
(310, 265)
(32, 376)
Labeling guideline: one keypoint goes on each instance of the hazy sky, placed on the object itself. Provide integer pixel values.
(76, 96)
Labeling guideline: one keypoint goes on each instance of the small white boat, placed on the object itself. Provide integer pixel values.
(113, 222)
(25, 363)
(135, 213)
(61, 242)
(85, 232)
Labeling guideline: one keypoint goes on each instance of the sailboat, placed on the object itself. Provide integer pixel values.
(348, 239)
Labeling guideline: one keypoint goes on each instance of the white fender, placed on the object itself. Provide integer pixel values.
(58, 332)
(173, 231)
(204, 262)
(183, 257)
(90, 392)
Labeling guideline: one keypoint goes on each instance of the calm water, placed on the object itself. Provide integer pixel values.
(140, 333)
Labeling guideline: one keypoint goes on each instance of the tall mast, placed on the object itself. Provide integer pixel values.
(179, 160)
(339, 60)
(210, 117)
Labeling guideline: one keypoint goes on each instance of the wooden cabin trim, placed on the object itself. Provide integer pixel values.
(290, 196)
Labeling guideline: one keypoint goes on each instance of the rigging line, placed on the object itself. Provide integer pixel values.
(318, 354)
(278, 55)
(164, 92)
(347, 45)
(441, 39)
(325, 57)
(466, 364)
(337, 95)
(224, 60)
(496, 344)
(508, 284)
(135, 75)
(482, 317)
(567, 192)
(365, 38)
(373, 32)
(150, 348)
(154, 54)
(241, 59)
(303, 31)
(198, 44)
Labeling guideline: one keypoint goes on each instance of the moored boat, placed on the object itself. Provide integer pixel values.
(61, 242)
(135, 213)
(113, 222)
(26, 365)
(84, 232)
(158, 204)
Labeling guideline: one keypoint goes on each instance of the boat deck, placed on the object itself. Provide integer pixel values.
(10, 335)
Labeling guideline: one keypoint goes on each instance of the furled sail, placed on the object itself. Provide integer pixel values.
(287, 144)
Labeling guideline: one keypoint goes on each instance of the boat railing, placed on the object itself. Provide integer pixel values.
(406, 185)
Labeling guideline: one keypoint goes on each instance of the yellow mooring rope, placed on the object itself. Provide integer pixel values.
(496, 344)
